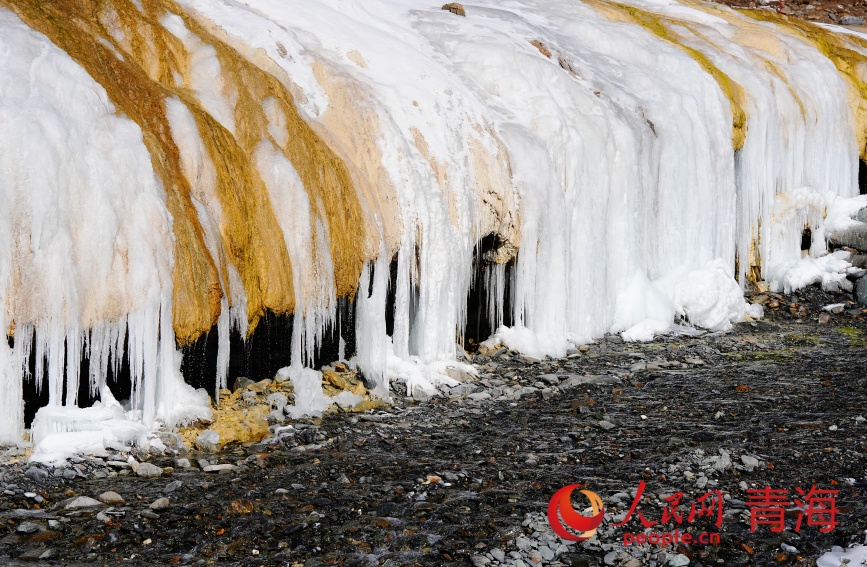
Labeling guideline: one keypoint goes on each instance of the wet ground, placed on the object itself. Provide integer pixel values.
(465, 479)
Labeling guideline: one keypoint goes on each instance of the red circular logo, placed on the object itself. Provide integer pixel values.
(561, 514)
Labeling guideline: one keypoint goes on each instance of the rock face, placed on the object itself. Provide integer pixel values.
(455, 8)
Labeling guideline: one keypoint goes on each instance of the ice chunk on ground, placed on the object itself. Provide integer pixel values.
(309, 398)
(59, 432)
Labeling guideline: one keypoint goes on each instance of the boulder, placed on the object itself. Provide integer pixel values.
(853, 237)
(455, 8)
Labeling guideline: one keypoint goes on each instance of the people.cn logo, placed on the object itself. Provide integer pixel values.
(561, 514)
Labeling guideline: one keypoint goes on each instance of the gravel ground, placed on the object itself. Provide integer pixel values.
(465, 478)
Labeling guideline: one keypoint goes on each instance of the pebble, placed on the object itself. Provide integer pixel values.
(111, 498)
(606, 425)
(160, 504)
(679, 560)
(172, 486)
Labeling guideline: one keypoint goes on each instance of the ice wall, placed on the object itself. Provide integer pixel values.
(171, 166)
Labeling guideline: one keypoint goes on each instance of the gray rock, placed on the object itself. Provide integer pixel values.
(148, 470)
(859, 261)
(182, 463)
(606, 425)
(749, 462)
(37, 554)
(479, 560)
(421, 395)
(28, 528)
(172, 486)
(638, 367)
(498, 554)
(69, 474)
(523, 543)
(479, 396)
(852, 21)
(208, 441)
(83, 502)
(679, 560)
(861, 292)
(111, 498)
(160, 504)
(36, 474)
(853, 237)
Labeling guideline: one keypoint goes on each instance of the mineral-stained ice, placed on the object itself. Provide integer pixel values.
(634, 164)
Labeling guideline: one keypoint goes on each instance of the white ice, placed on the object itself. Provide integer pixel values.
(855, 556)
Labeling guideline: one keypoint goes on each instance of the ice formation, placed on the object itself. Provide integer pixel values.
(170, 166)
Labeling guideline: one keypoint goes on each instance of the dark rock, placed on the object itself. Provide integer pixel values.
(861, 291)
(859, 261)
(36, 474)
(241, 383)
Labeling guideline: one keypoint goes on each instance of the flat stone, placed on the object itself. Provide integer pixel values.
(172, 486)
(218, 468)
(160, 504)
(111, 498)
(835, 308)
(83, 502)
(479, 396)
(38, 554)
(28, 528)
(574, 380)
(606, 425)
